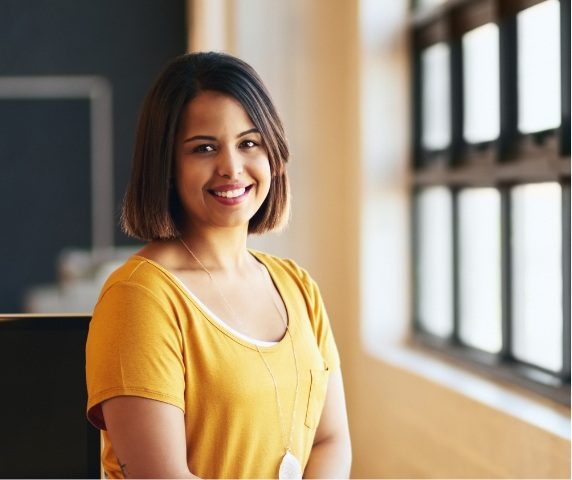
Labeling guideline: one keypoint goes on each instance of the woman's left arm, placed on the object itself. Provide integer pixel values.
(331, 454)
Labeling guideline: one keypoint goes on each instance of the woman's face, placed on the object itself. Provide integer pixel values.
(222, 172)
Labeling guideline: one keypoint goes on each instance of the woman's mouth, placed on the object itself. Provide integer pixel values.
(231, 197)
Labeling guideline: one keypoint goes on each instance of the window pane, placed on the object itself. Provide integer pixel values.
(435, 232)
(536, 274)
(436, 105)
(539, 67)
(481, 84)
(480, 268)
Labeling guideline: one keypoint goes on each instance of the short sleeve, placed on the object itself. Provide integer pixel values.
(321, 323)
(134, 347)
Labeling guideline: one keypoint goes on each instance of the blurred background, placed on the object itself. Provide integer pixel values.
(430, 175)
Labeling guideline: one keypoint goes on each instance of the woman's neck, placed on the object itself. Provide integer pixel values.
(219, 250)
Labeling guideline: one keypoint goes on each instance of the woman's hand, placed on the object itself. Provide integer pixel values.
(331, 455)
(148, 437)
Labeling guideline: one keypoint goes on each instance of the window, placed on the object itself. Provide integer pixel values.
(435, 264)
(481, 120)
(536, 270)
(479, 260)
(436, 102)
(538, 51)
(491, 186)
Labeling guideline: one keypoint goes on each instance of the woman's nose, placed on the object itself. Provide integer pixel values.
(229, 163)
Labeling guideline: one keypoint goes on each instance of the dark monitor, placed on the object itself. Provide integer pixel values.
(44, 432)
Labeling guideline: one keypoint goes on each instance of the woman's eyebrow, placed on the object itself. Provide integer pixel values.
(200, 137)
(213, 139)
(252, 130)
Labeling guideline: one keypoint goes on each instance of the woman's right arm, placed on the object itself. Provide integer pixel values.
(148, 437)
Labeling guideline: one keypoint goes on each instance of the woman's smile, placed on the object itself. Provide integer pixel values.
(230, 194)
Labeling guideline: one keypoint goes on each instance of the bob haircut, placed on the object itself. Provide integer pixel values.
(151, 207)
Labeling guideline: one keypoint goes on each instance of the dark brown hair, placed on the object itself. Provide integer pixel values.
(151, 207)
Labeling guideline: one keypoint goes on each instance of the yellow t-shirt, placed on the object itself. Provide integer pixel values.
(149, 338)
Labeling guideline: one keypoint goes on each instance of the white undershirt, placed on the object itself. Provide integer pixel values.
(222, 323)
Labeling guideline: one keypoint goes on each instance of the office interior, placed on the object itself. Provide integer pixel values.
(380, 146)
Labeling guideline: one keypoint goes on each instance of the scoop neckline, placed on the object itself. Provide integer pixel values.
(267, 348)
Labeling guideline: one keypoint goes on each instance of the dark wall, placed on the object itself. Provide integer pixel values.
(45, 198)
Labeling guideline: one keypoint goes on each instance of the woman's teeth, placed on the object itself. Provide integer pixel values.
(231, 193)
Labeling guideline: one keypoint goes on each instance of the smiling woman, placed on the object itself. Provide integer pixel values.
(205, 358)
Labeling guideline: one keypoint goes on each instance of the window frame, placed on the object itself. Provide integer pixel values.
(512, 159)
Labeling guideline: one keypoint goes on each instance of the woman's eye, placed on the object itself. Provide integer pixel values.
(205, 148)
(248, 144)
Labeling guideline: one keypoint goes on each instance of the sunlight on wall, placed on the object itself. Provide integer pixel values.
(384, 120)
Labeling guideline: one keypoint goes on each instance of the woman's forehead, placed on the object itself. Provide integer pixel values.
(215, 111)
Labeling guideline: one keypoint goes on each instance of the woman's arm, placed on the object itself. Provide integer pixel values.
(148, 437)
(331, 454)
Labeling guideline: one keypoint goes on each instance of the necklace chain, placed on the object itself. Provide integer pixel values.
(239, 320)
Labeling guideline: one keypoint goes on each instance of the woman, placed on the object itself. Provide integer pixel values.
(205, 358)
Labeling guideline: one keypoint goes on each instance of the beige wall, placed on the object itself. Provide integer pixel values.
(338, 71)
(410, 427)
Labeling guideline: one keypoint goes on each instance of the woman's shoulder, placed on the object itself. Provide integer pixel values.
(138, 272)
(144, 266)
(275, 262)
(285, 269)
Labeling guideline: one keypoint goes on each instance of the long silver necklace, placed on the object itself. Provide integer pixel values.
(290, 467)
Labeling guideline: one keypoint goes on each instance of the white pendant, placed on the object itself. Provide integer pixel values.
(290, 467)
